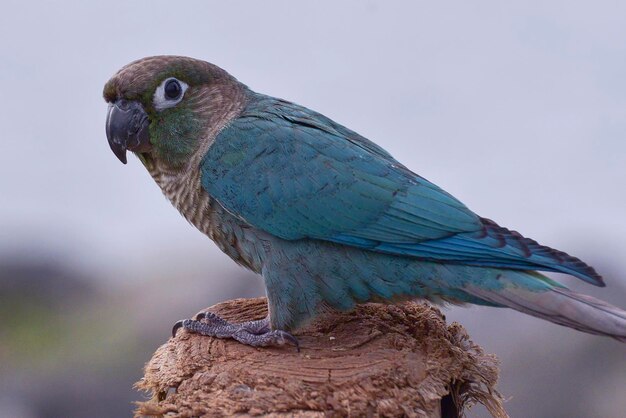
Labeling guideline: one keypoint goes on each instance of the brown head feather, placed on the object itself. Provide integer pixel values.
(138, 80)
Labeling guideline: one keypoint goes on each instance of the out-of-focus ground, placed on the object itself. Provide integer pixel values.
(520, 111)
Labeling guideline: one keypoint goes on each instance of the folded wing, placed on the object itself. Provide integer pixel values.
(296, 174)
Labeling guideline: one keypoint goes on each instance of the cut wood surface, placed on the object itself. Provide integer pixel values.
(378, 360)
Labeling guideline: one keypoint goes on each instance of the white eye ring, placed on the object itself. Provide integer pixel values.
(161, 101)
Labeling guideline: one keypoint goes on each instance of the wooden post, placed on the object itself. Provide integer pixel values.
(378, 360)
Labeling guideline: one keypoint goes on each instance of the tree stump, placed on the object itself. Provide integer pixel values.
(378, 360)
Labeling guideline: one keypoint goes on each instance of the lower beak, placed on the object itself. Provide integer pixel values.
(127, 128)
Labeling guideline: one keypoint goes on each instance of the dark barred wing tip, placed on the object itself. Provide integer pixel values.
(531, 247)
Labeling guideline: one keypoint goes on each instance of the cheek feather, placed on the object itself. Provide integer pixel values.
(175, 135)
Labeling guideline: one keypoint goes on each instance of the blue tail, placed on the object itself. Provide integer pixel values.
(563, 307)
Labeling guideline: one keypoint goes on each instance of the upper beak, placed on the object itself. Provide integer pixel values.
(127, 128)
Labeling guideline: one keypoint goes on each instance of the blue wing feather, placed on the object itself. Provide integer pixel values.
(296, 180)
(296, 174)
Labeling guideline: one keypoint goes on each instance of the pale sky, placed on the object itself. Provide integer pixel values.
(520, 112)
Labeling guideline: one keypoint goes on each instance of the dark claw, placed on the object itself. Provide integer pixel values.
(177, 325)
(211, 317)
(293, 340)
(208, 315)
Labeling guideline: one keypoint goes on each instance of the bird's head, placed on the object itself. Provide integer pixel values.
(162, 108)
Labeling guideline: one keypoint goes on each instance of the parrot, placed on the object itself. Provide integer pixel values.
(328, 218)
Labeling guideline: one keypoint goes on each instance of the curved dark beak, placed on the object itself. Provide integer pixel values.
(127, 128)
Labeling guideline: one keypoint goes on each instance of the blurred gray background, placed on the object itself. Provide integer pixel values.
(519, 111)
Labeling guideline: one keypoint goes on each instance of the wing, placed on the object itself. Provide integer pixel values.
(296, 174)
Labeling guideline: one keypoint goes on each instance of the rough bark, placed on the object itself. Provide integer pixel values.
(378, 360)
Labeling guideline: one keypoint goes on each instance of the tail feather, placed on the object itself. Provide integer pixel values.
(563, 307)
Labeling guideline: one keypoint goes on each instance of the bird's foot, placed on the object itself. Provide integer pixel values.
(253, 333)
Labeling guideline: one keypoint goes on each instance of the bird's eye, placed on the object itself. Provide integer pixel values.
(173, 90)
(169, 93)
